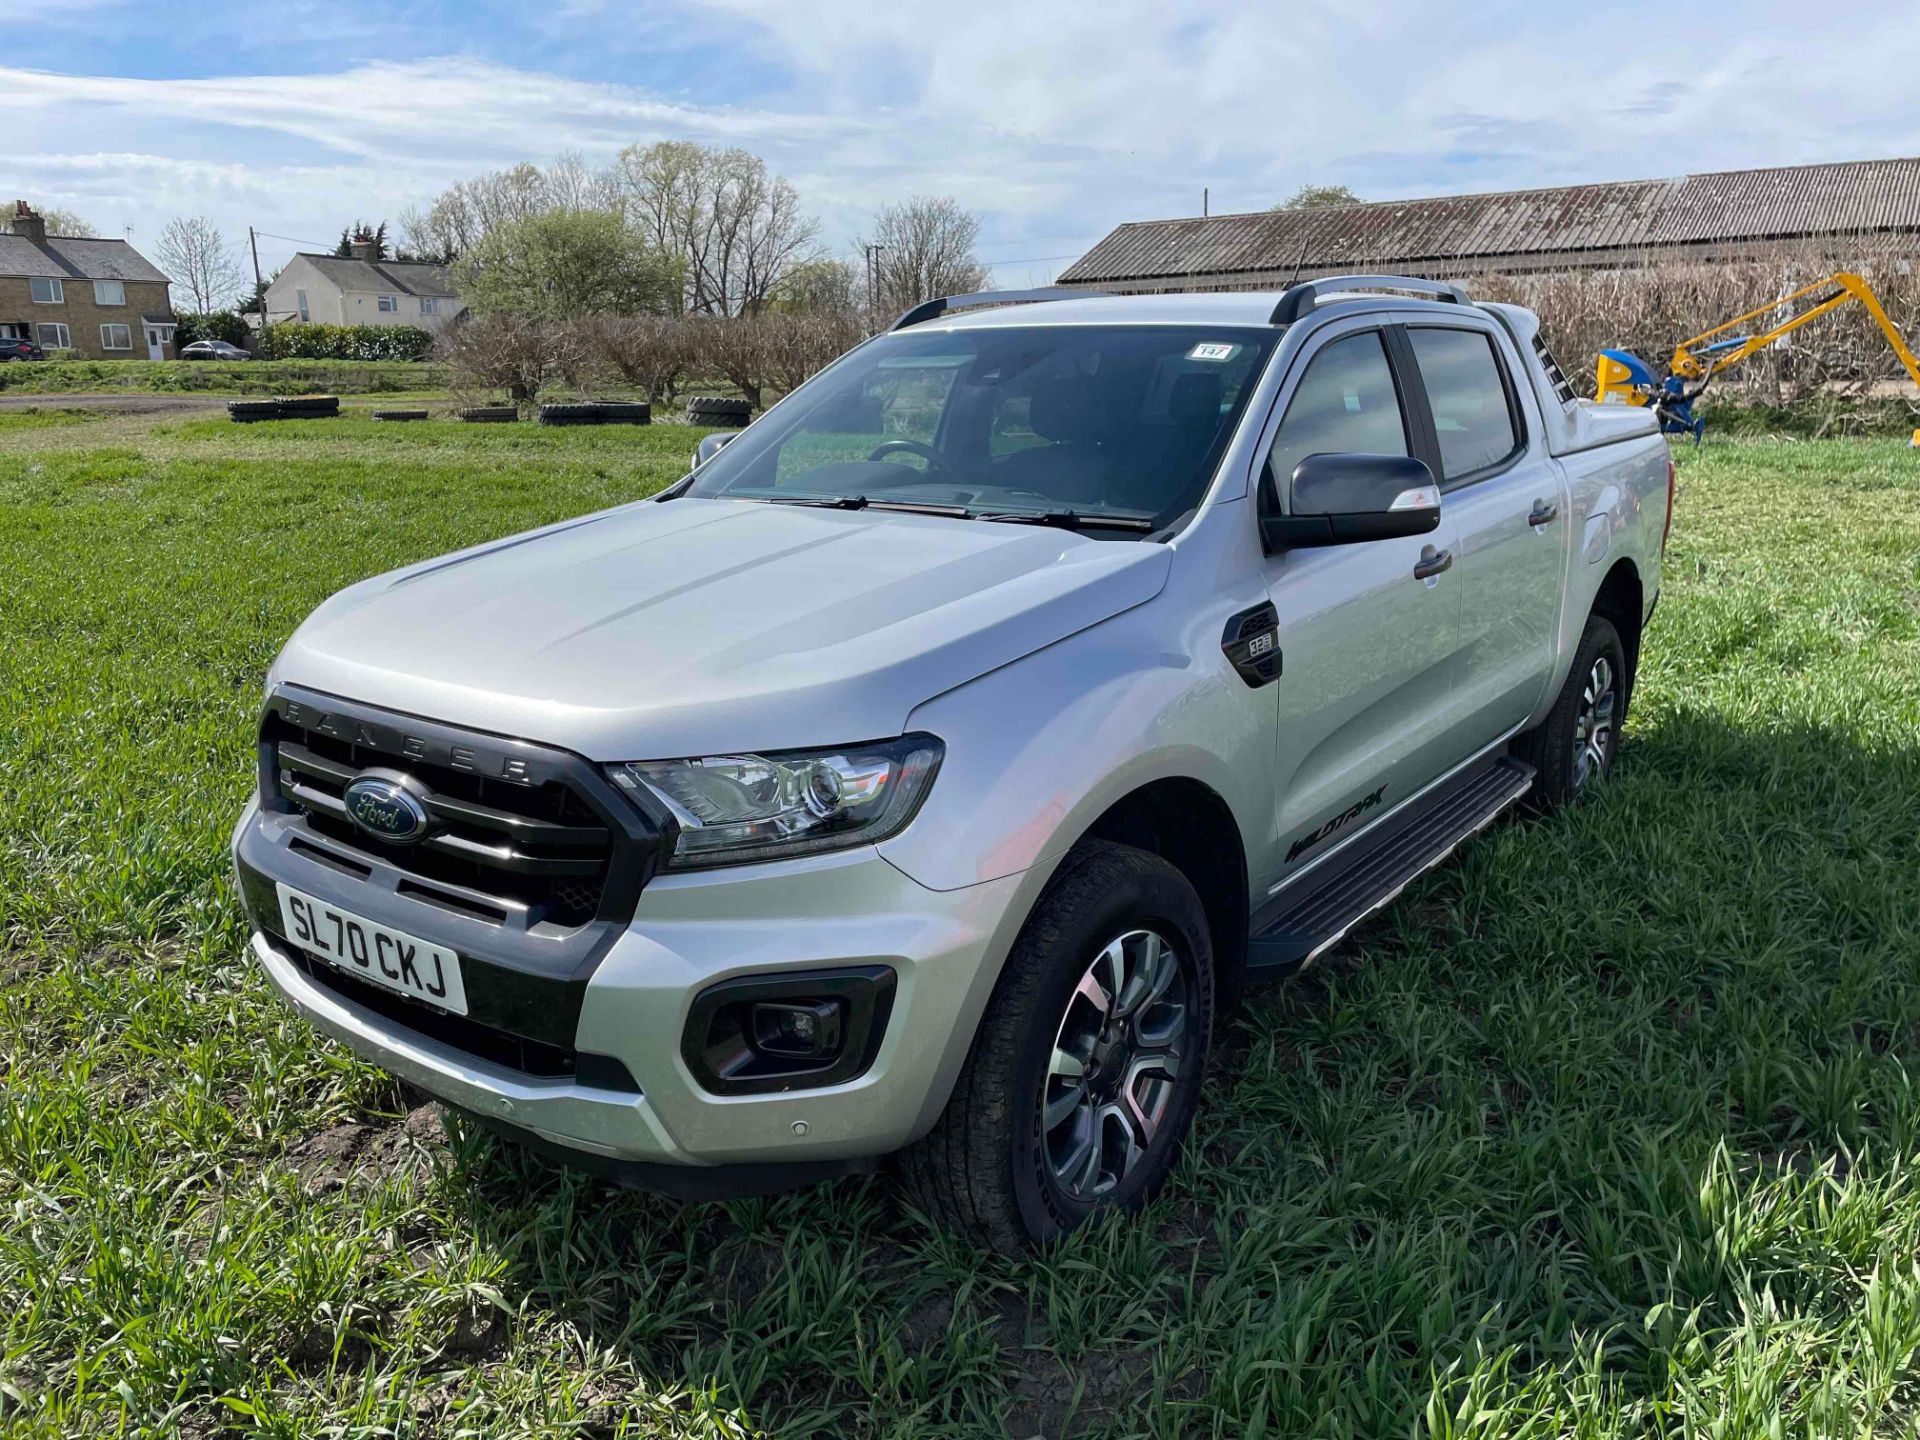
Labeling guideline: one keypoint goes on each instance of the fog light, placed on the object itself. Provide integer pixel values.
(807, 1029)
(796, 1030)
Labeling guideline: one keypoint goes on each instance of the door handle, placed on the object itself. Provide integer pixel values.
(1432, 562)
(1543, 513)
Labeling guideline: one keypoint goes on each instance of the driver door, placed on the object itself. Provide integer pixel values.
(1369, 645)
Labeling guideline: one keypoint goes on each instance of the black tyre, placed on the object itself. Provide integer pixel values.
(399, 414)
(717, 410)
(1085, 1072)
(1573, 748)
(247, 411)
(625, 412)
(571, 413)
(487, 414)
(309, 404)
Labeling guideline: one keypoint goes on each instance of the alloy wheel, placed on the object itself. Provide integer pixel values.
(1593, 728)
(1116, 1057)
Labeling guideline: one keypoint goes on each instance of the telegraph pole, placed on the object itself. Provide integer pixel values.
(873, 298)
(259, 289)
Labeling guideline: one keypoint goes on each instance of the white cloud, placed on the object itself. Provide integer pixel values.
(1054, 120)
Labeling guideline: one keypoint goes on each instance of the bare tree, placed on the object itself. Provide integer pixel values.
(736, 228)
(793, 348)
(460, 216)
(192, 252)
(925, 248)
(735, 349)
(654, 352)
(519, 354)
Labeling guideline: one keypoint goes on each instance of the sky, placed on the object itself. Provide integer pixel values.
(1053, 120)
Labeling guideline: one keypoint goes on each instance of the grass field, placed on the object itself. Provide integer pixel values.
(1609, 1128)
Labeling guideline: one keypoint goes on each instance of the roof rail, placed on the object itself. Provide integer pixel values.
(932, 309)
(1301, 298)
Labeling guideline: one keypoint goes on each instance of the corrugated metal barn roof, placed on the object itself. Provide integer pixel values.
(1729, 207)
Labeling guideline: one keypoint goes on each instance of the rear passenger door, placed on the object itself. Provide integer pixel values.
(1369, 644)
(1509, 501)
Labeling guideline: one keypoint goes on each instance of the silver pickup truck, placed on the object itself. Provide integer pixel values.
(923, 773)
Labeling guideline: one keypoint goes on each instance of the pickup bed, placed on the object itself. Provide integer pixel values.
(923, 774)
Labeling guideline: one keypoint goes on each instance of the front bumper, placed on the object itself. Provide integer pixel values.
(689, 932)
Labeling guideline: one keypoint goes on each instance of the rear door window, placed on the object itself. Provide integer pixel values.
(1472, 413)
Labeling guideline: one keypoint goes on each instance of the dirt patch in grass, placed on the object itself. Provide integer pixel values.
(367, 1151)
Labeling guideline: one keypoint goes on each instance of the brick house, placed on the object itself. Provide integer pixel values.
(95, 299)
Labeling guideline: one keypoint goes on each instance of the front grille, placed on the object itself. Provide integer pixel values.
(501, 1047)
(527, 853)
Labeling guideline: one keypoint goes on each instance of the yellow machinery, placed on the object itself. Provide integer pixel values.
(1623, 377)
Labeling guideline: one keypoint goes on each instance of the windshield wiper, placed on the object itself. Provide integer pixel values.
(1067, 519)
(824, 502)
(862, 502)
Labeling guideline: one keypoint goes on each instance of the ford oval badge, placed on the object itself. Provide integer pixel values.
(386, 810)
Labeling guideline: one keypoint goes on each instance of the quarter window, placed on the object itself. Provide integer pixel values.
(54, 336)
(1345, 404)
(47, 291)
(1471, 414)
(116, 337)
(390, 304)
(109, 292)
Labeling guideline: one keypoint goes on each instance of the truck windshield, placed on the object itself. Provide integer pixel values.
(1095, 424)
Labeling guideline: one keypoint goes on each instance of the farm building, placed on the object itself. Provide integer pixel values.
(1731, 215)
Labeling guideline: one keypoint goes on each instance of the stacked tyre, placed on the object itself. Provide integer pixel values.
(718, 412)
(399, 414)
(625, 412)
(308, 407)
(597, 412)
(245, 412)
(488, 414)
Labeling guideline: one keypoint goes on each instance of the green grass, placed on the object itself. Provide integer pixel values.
(1608, 1128)
(249, 377)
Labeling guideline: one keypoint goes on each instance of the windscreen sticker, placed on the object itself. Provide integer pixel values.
(1212, 350)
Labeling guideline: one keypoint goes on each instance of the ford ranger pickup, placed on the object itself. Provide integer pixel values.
(923, 774)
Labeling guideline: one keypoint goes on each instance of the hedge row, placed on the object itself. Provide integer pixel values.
(246, 377)
(344, 342)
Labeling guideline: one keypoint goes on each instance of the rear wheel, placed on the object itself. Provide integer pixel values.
(1085, 1073)
(1574, 747)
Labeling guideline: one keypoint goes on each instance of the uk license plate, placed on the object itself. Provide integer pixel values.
(391, 959)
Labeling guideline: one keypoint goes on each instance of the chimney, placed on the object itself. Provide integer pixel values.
(27, 224)
(359, 249)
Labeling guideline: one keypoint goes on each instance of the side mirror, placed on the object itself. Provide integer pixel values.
(712, 446)
(1344, 499)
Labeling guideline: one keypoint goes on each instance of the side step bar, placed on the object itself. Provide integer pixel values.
(1313, 913)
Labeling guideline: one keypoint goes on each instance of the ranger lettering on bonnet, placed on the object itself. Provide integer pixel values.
(914, 779)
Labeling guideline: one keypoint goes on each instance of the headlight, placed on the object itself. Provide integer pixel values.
(737, 808)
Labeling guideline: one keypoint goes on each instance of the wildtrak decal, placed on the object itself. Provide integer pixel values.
(1344, 818)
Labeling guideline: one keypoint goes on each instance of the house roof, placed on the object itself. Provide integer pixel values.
(408, 277)
(1858, 197)
(74, 258)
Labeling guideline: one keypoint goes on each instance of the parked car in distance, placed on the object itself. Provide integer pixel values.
(213, 350)
(925, 773)
(19, 347)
